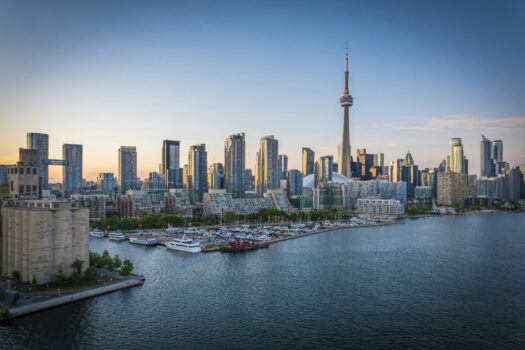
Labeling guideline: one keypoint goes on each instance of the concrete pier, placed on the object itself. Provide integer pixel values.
(70, 298)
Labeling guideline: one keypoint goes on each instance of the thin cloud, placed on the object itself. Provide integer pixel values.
(458, 122)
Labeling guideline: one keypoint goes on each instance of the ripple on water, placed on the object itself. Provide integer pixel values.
(437, 283)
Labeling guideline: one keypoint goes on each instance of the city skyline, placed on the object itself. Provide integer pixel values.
(415, 89)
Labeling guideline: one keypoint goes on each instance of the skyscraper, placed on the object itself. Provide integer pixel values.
(294, 183)
(40, 142)
(105, 182)
(486, 157)
(283, 166)
(235, 164)
(457, 159)
(170, 163)
(396, 170)
(127, 168)
(379, 159)
(267, 165)
(72, 170)
(197, 172)
(3, 174)
(323, 169)
(346, 102)
(216, 176)
(497, 151)
(308, 161)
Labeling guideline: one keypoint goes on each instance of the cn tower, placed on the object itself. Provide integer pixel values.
(346, 101)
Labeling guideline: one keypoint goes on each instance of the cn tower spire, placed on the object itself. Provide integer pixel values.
(346, 69)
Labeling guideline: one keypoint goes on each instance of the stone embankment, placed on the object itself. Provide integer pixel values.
(75, 296)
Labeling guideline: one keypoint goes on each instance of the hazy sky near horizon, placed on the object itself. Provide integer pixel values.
(110, 73)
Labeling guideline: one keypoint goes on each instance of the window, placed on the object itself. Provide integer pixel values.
(12, 184)
(21, 189)
(21, 170)
(34, 188)
(34, 171)
(16, 170)
(28, 171)
(28, 188)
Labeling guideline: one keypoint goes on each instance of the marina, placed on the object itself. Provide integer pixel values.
(235, 238)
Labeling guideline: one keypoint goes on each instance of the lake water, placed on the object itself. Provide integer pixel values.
(446, 282)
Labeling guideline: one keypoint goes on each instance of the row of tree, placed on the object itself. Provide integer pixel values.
(162, 220)
(105, 260)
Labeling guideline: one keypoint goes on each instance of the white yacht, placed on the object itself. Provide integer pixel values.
(117, 236)
(143, 240)
(96, 233)
(184, 245)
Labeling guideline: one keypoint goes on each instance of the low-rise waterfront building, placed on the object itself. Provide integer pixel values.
(177, 202)
(96, 203)
(134, 204)
(376, 208)
(218, 201)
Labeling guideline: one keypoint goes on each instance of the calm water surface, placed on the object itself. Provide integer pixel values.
(449, 282)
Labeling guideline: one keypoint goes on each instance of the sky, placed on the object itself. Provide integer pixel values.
(110, 73)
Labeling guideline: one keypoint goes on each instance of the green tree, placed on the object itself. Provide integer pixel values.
(77, 266)
(15, 275)
(105, 257)
(117, 262)
(90, 274)
(110, 265)
(229, 217)
(75, 276)
(127, 268)
(60, 276)
(95, 259)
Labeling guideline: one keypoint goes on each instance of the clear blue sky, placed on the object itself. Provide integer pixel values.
(106, 73)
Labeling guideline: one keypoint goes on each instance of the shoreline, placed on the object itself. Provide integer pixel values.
(24, 310)
(281, 239)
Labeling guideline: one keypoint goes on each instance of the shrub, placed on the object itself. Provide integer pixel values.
(15, 275)
(110, 265)
(60, 277)
(75, 276)
(90, 274)
(127, 267)
(229, 217)
(77, 266)
(117, 262)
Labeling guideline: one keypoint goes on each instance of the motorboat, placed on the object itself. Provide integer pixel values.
(117, 236)
(96, 233)
(143, 239)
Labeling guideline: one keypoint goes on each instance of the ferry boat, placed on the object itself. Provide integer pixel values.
(117, 236)
(184, 245)
(96, 233)
(144, 239)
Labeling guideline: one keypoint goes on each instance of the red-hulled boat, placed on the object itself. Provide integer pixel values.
(241, 246)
